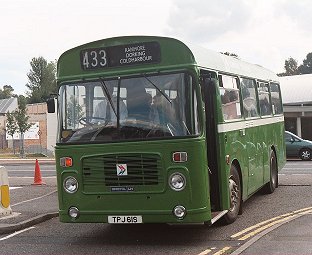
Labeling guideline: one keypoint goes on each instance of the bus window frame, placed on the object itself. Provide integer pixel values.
(238, 89)
(256, 97)
(267, 83)
(187, 72)
(279, 97)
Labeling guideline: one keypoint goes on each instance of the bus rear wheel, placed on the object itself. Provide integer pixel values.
(235, 196)
(273, 183)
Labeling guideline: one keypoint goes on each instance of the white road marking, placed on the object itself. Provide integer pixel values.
(11, 188)
(16, 233)
(34, 198)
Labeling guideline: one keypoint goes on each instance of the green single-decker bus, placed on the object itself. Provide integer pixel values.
(153, 130)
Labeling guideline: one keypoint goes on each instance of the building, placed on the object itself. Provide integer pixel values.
(40, 138)
(297, 100)
(6, 105)
(44, 130)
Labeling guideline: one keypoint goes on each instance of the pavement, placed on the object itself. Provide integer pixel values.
(293, 236)
(31, 204)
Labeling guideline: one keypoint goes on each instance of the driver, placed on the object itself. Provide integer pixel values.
(105, 112)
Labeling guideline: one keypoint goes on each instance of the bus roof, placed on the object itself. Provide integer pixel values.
(220, 62)
(173, 54)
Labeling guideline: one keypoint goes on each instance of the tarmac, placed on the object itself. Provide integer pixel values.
(33, 204)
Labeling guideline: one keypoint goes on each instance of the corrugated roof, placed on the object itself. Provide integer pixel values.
(296, 89)
(8, 104)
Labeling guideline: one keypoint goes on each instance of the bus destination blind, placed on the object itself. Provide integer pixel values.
(123, 55)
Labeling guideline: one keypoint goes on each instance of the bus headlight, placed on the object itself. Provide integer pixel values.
(177, 181)
(70, 185)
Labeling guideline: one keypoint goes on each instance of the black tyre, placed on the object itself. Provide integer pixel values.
(273, 183)
(305, 154)
(235, 196)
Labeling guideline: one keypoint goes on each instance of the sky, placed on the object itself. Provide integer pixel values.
(265, 32)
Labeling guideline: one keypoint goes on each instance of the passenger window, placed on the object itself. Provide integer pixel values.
(276, 99)
(249, 98)
(264, 99)
(229, 97)
(288, 137)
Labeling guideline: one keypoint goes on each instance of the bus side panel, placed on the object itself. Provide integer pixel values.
(251, 149)
(259, 141)
(276, 142)
(280, 146)
(233, 146)
(259, 145)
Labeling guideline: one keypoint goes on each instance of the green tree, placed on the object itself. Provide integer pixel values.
(74, 112)
(22, 118)
(291, 67)
(42, 80)
(11, 126)
(306, 67)
(7, 92)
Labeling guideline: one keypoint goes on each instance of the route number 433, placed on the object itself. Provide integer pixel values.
(92, 59)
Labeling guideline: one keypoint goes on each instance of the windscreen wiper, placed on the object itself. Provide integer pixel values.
(108, 96)
(118, 103)
(159, 90)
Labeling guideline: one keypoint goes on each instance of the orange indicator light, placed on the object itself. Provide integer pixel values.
(179, 156)
(66, 162)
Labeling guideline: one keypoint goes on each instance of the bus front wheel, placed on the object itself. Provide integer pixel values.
(235, 196)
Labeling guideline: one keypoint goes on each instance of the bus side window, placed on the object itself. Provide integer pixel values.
(276, 98)
(229, 97)
(264, 99)
(249, 98)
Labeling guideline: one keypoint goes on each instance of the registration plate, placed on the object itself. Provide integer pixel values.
(125, 219)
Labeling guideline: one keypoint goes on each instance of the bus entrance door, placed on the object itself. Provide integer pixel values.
(209, 93)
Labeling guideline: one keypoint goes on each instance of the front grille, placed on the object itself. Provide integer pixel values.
(143, 169)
